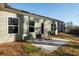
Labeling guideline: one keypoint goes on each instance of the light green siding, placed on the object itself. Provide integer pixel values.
(4, 36)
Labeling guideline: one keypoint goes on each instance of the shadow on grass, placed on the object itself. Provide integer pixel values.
(73, 46)
(73, 34)
(55, 44)
(61, 54)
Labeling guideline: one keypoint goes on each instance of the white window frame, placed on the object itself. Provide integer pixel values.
(13, 25)
(32, 26)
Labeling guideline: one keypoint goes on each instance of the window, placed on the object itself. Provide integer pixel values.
(31, 26)
(53, 27)
(12, 25)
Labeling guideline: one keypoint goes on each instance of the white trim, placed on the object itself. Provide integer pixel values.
(31, 26)
(56, 31)
(13, 25)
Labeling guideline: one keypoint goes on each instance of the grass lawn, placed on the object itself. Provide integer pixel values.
(27, 49)
(70, 49)
(32, 50)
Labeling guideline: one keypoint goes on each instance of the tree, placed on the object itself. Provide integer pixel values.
(72, 29)
(69, 26)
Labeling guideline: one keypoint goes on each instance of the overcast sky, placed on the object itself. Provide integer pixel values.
(64, 12)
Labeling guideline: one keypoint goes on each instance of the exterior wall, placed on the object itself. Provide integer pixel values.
(4, 36)
(37, 28)
(59, 26)
(62, 27)
(23, 26)
(56, 31)
(32, 33)
(38, 25)
(54, 28)
(20, 25)
(26, 24)
(38, 22)
(47, 27)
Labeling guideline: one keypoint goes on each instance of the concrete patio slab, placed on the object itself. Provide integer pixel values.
(50, 45)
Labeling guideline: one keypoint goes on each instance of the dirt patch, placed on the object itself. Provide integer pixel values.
(12, 49)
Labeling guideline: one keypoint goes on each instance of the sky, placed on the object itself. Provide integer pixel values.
(61, 11)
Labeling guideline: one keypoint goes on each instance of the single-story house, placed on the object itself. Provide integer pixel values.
(18, 24)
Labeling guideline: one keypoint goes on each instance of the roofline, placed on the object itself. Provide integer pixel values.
(52, 19)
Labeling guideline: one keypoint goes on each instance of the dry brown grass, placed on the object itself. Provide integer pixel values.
(70, 49)
(18, 48)
(32, 50)
(12, 49)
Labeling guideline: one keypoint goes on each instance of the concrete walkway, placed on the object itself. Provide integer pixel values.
(50, 45)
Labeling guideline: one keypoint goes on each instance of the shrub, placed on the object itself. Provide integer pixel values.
(74, 31)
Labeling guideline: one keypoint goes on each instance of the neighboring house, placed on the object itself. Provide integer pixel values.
(17, 24)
